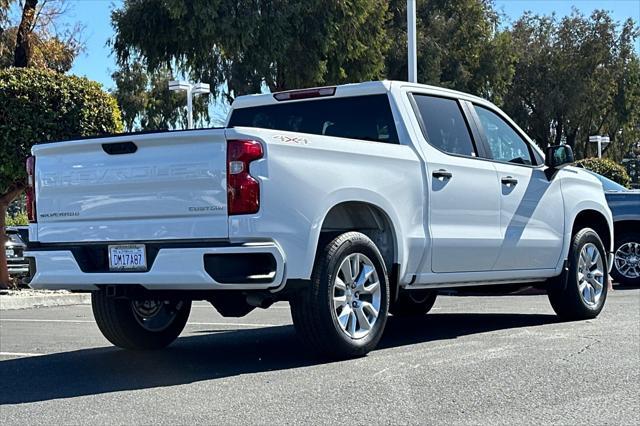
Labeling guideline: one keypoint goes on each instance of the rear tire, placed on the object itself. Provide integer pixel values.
(139, 324)
(344, 311)
(626, 264)
(413, 303)
(585, 292)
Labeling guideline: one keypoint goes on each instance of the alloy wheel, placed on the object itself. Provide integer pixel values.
(591, 275)
(356, 296)
(627, 260)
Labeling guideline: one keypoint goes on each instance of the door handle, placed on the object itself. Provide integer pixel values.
(509, 180)
(442, 174)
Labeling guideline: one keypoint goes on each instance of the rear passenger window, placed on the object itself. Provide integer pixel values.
(359, 117)
(444, 125)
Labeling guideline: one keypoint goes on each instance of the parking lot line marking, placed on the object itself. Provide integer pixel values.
(230, 324)
(18, 354)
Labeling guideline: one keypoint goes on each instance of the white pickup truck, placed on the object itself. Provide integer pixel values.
(350, 202)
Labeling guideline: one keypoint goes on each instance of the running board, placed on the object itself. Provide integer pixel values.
(418, 286)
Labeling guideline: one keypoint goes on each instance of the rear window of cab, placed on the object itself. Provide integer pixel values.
(366, 118)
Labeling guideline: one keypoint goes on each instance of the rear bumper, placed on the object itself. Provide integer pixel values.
(182, 268)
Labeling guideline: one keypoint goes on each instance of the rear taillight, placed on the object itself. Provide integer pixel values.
(31, 189)
(243, 191)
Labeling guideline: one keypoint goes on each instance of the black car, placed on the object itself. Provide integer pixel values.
(14, 249)
(625, 206)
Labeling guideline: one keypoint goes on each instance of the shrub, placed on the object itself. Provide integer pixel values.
(607, 168)
(18, 219)
(42, 105)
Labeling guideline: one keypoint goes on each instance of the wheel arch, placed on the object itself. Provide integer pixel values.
(367, 218)
(625, 226)
(625, 231)
(587, 215)
(371, 219)
(597, 221)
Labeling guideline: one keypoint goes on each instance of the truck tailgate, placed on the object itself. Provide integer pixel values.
(154, 186)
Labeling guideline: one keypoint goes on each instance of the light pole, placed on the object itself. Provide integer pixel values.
(191, 89)
(602, 142)
(411, 41)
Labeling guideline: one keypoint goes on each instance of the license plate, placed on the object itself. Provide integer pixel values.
(130, 257)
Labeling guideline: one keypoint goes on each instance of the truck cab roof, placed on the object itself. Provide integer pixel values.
(346, 90)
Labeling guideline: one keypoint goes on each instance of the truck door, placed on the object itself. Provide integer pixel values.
(463, 193)
(531, 204)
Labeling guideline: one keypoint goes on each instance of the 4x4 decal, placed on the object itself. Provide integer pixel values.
(292, 139)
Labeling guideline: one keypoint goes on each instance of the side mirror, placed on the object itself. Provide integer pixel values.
(558, 156)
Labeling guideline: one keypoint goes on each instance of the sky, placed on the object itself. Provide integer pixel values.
(97, 63)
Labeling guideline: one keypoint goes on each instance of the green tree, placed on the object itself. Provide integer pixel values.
(36, 40)
(146, 102)
(22, 52)
(243, 45)
(6, 50)
(40, 38)
(4, 14)
(42, 105)
(575, 77)
(458, 46)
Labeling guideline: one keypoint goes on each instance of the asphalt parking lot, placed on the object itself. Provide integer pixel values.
(473, 360)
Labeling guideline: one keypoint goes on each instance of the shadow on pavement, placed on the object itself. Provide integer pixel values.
(214, 355)
(621, 287)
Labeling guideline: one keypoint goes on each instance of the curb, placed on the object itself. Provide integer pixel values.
(45, 301)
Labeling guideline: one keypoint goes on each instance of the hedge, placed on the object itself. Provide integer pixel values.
(42, 105)
(18, 219)
(607, 168)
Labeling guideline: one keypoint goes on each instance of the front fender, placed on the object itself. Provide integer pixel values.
(581, 192)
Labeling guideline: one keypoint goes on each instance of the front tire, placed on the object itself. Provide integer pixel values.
(626, 264)
(344, 312)
(139, 324)
(585, 292)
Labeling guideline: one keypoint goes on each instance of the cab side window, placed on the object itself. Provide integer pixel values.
(366, 118)
(504, 143)
(444, 125)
